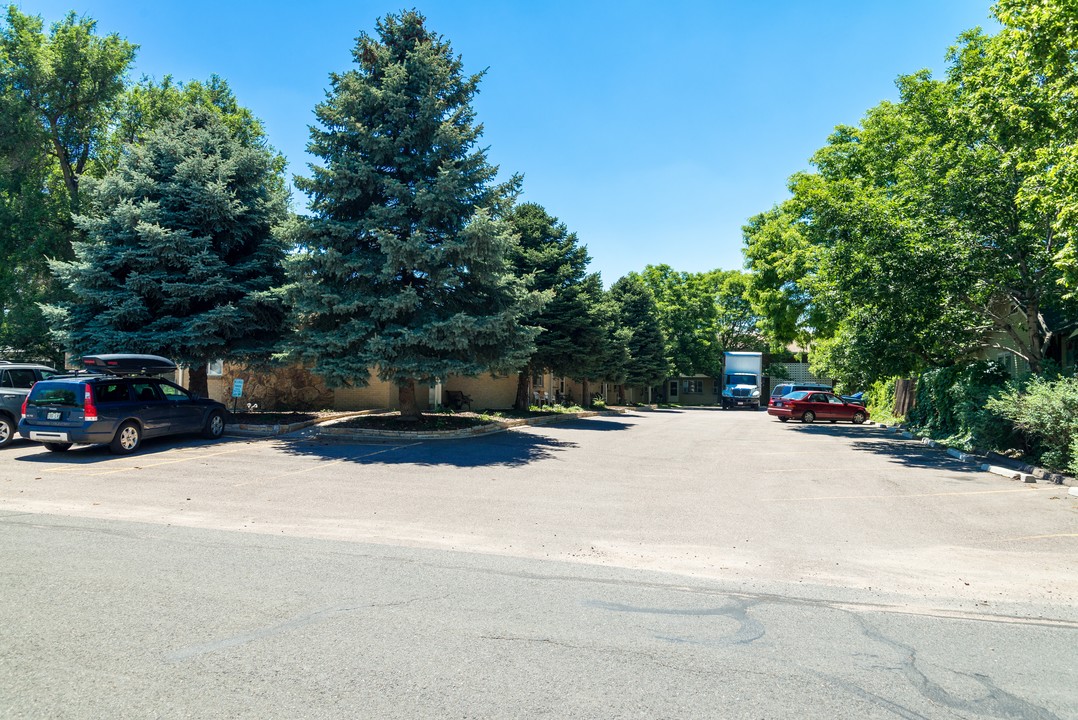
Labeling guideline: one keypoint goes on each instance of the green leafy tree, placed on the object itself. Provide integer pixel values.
(736, 323)
(181, 258)
(404, 266)
(702, 315)
(933, 227)
(637, 313)
(58, 94)
(687, 318)
(69, 82)
(1039, 44)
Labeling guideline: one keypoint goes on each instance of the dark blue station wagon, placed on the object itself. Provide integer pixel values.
(118, 403)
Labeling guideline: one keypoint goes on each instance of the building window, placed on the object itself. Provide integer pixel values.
(215, 368)
(673, 388)
(692, 387)
(537, 380)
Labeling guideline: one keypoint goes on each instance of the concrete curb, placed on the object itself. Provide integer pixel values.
(1023, 472)
(250, 430)
(491, 428)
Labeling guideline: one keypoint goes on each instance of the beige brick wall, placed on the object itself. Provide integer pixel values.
(378, 394)
(487, 393)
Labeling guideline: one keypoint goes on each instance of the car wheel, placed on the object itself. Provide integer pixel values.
(215, 425)
(783, 419)
(127, 439)
(858, 418)
(57, 447)
(7, 431)
(808, 417)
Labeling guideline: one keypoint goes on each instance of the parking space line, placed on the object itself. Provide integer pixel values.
(900, 497)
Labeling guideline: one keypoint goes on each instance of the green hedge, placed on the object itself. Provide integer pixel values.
(952, 406)
(1047, 412)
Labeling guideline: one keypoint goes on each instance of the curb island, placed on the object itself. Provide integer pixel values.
(323, 427)
(990, 462)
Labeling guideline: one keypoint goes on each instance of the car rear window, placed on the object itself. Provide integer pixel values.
(795, 395)
(57, 394)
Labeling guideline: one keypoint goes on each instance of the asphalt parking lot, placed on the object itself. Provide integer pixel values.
(732, 495)
(682, 563)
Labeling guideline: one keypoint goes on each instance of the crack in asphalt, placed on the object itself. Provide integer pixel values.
(996, 702)
(749, 629)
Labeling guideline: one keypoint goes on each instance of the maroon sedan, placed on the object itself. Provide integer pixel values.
(809, 406)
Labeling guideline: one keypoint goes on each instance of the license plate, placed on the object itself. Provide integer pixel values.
(53, 415)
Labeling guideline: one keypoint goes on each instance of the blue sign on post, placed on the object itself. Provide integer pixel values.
(237, 388)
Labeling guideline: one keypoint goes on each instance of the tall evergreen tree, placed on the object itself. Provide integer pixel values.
(557, 263)
(181, 258)
(638, 313)
(404, 267)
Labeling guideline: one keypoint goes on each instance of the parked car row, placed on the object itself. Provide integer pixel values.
(118, 400)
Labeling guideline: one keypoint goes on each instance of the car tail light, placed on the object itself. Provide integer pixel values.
(89, 410)
(25, 401)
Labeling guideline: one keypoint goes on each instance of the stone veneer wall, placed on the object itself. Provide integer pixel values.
(293, 387)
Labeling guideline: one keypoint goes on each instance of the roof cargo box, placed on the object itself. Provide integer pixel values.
(129, 364)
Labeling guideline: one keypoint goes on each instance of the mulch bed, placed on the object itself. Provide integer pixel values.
(273, 418)
(426, 423)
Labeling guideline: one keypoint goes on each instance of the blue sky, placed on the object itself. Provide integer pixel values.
(653, 130)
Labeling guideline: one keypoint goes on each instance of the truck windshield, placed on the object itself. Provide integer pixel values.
(740, 379)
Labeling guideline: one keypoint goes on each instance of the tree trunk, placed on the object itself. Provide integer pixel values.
(197, 383)
(406, 397)
(523, 379)
(585, 391)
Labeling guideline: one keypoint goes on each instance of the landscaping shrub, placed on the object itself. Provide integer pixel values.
(880, 399)
(951, 405)
(1047, 411)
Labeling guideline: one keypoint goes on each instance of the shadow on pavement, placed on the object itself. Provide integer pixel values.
(884, 442)
(93, 454)
(510, 449)
(593, 424)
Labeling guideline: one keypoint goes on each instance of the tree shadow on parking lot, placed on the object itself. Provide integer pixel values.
(594, 423)
(507, 449)
(34, 452)
(880, 441)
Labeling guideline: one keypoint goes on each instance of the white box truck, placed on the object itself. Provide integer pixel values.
(742, 378)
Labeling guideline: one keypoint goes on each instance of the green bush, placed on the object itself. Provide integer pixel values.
(951, 405)
(880, 399)
(1047, 411)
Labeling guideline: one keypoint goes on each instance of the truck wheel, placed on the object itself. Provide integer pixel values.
(808, 417)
